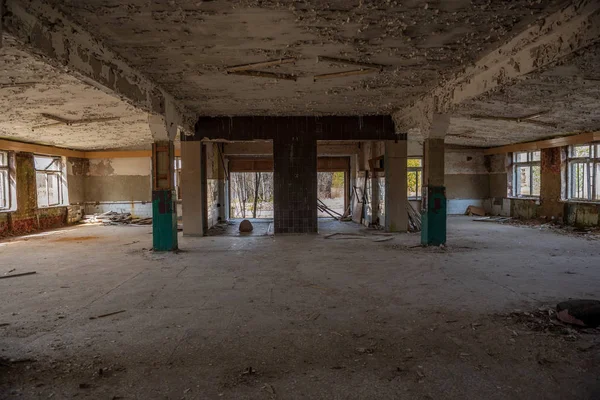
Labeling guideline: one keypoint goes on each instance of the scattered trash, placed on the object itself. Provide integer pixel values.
(12, 270)
(248, 371)
(17, 275)
(384, 239)
(84, 386)
(108, 315)
(269, 388)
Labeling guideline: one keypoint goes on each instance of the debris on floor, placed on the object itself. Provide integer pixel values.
(17, 275)
(584, 313)
(474, 210)
(546, 320)
(493, 219)
(414, 218)
(246, 226)
(325, 209)
(115, 218)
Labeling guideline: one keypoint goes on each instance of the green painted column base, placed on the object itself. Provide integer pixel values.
(164, 221)
(433, 220)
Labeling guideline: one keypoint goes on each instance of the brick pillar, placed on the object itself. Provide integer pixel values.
(295, 183)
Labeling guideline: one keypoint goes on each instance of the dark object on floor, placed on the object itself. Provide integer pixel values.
(16, 275)
(579, 312)
(246, 226)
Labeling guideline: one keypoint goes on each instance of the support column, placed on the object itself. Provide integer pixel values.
(295, 183)
(164, 209)
(222, 184)
(434, 212)
(396, 199)
(192, 164)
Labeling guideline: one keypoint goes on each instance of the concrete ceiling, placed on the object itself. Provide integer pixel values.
(30, 87)
(185, 46)
(565, 94)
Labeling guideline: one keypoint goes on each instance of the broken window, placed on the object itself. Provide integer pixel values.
(584, 172)
(414, 178)
(527, 174)
(4, 182)
(48, 174)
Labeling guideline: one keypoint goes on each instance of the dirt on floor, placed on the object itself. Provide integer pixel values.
(310, 317)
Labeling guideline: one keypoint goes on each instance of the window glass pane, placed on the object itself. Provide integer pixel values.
(415, 162)
(43, 163)
(524, 181)
(580, 180)
(520, 157)
(3, 189)
(535, 155)
(598, 151)
(412, 184)
(536, 180)
(3, 159)
(597, 182)
(42, 189)
(53, 189)
(580, 151)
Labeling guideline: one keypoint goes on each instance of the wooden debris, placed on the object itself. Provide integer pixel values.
(262, 64)
(264, 74)
(385, 239)
(336, 60)
(108, 315)
(344, 74)
(414, 218)
(324, 208)
(474, 210)
(17, 275)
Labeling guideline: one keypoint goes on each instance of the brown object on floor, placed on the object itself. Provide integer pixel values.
(246, 226)
(579, 312)
(473, 210)
(17, 275)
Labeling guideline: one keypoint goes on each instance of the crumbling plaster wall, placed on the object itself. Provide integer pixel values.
(115, 184)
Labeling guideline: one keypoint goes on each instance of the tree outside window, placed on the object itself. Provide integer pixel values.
(527, 174)
(414, 178)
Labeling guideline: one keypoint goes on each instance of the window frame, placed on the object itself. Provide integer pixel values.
(592, 165)
(419, 178)
(48, 173)
(5, 176)
(530, 163)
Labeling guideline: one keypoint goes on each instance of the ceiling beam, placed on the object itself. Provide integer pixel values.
(574, 27)
(44, 30)
(582, 138)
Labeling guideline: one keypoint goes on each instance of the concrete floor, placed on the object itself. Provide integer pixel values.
(345, 317)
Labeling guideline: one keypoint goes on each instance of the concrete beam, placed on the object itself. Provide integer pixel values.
(45, 31)
(572, 28)
(266, 148)
(375, 127)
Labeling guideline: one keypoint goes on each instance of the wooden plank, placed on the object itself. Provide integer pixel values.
(546, 144)
(263, 74)
(345, 74)
(335, 60)
(10, 145)
(263, 64)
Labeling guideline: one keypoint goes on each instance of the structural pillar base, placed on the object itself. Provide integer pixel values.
(164, 221)
(433, 224)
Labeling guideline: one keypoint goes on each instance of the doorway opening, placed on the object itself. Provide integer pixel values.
(251, 195)
(331, 192)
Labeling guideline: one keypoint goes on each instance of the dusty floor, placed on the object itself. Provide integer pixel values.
(309, 317)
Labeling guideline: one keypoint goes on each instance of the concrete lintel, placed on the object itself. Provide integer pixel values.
(266, 148)
(572, 28)
(46, 32)
(375, 127)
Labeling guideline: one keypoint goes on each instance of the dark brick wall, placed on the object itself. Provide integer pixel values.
(295, 183)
